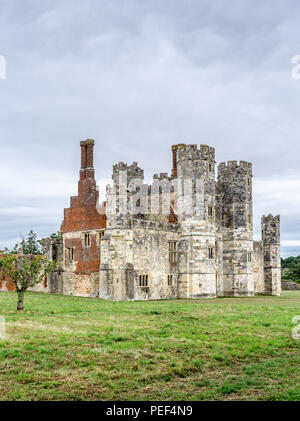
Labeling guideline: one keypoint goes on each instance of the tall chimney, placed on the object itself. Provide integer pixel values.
(87, 159)
(174, 152)
(87, 153)
(174, 169)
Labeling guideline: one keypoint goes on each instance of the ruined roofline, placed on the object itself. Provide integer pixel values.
(180, 152)
(229, 166)
(192, 151)
(132, 170)
(270, 218)
(191, 146)
(123, 165)
(161, 176)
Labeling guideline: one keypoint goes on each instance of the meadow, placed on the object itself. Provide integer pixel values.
(72, 348)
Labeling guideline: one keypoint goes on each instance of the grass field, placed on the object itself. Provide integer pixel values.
(71, 348)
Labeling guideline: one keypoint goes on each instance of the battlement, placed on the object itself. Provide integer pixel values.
(132, 171)
(192, 152)
(226, 168)
(161, 176)
(270, 219)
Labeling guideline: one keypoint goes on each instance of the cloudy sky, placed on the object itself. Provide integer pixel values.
(138, 76)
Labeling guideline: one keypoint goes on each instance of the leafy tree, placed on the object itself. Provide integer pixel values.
(291, 268)
(30, 244)
(15, 249)
(25, 271)
(57, 234)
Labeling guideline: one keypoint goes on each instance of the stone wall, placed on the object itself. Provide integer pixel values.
(139, 251)
(258, 267)
(290, 286)
(81, 273)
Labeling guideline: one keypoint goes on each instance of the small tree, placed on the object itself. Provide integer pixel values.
(31, 244)
(25, 271)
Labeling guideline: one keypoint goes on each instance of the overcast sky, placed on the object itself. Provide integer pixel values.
(139, 76)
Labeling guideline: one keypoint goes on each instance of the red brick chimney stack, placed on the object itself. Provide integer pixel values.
(174, 152)
(87, 159)
(174, 169)
(87, 154)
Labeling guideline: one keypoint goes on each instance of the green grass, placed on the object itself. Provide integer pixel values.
(71, 348)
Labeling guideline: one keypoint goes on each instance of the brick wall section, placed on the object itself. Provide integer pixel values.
(6, 284)
(84, 214)
(86, 258)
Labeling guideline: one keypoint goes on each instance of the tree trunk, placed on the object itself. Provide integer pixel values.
(20, 306)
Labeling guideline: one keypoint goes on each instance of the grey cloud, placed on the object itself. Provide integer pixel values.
(139, 76)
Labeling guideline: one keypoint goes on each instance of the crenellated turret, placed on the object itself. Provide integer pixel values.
(127, 180)
(235, 221)
(195, 170)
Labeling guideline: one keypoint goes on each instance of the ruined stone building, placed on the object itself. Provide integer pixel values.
(187, 235)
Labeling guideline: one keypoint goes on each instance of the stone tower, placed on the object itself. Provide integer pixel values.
(236, 220)
(127, 179)
(271, 249)
(195, 171)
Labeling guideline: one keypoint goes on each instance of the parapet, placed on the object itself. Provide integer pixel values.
(191, 152)
(227, 168)
(161, 176)
(270, 219)
(132, 171)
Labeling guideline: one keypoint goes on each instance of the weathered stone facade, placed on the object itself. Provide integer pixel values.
(187, 235)
(235, 224)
